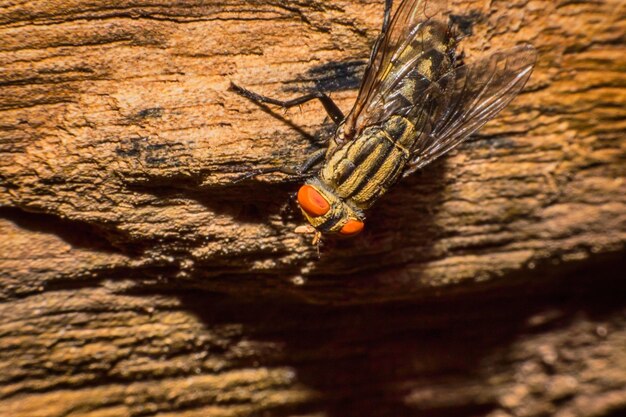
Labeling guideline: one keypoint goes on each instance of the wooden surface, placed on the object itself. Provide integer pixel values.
(138, 279)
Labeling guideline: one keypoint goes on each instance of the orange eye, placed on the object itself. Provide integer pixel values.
(352, 228)
(312, 201)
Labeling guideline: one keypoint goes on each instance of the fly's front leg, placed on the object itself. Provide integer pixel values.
(329, 105)
(312, 161)
(305, 168)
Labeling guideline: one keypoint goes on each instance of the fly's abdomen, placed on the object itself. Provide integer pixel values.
(435, 48)
(364, 169)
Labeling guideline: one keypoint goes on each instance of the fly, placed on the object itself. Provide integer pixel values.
(416, 102)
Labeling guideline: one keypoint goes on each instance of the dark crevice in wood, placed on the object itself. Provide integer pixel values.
(333, 76)
(79, 234)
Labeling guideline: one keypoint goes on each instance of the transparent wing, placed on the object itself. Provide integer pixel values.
(478, 93)
(394, 59)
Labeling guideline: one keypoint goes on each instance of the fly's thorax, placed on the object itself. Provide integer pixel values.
(362, 170)
(327, 212)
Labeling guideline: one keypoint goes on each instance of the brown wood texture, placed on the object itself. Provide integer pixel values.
(137, 278)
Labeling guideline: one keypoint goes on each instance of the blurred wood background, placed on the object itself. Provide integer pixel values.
(138, 279)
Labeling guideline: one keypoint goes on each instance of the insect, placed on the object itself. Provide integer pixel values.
(416, 102)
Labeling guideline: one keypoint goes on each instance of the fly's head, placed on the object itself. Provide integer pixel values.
(326, 212)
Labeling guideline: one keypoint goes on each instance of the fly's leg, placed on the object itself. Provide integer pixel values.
(387, 15)
(381, 36)
(329, 105)
(311, 162)
(413, 166)
(410, 168)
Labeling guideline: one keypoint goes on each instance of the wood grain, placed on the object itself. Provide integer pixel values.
(137, 277)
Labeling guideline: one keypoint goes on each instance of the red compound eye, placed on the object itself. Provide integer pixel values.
(312, 201)
(352, 228)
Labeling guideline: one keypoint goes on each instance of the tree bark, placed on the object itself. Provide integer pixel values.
(138, 277)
